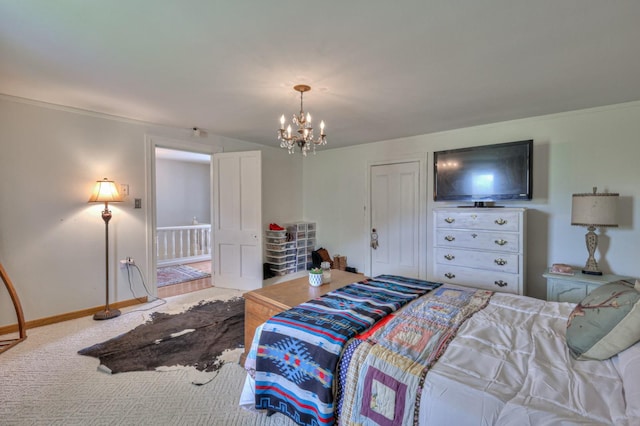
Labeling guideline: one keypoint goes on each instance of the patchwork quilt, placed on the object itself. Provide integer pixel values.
(299, 349)
(382, 372)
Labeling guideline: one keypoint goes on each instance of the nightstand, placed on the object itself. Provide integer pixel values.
(573, 288)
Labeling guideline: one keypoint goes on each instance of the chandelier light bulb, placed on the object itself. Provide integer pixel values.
(282, 122)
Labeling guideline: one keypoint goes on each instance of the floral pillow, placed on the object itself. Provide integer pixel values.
(605, 322)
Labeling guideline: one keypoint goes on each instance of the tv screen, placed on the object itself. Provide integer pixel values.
(484, 173)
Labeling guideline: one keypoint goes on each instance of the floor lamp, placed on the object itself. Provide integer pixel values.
(106, 192)
(594, 210)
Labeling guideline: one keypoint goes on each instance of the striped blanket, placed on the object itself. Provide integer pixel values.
(299, 349)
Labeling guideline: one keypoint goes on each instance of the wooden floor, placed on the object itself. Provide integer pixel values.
(188, 286)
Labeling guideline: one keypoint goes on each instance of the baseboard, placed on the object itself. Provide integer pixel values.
(70, 315)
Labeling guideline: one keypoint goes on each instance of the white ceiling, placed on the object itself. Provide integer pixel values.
(378, 69)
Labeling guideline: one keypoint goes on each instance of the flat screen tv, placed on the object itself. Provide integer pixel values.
(484, 174)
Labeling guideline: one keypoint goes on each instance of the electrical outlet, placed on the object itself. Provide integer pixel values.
(127, 261)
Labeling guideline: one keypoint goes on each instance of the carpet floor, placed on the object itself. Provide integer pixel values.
(43, 381)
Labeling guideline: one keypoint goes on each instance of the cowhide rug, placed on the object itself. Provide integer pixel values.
(201, 337)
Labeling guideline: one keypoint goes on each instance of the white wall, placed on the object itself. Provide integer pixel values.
(52, 240)
(183, 191)
(572, 153)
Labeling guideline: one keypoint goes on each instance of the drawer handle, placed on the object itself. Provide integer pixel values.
(500, 283)
(500, 262)
(449, 256)
(501, 242)
(474, 235)
(449, 238)
(449, 220)
(450, 275)
(500, 221)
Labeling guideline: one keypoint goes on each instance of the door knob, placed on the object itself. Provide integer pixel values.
(374, 239)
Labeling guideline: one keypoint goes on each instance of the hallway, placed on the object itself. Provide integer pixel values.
(188, 286)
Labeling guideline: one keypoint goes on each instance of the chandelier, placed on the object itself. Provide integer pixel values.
(304, 137)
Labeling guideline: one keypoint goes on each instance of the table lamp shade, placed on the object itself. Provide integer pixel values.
(594, 209)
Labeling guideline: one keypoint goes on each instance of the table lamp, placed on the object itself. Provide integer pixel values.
(594, 210)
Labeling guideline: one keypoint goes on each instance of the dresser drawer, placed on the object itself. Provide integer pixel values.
(486, 260)
(488, 280)
(494, 241)
(491, 220)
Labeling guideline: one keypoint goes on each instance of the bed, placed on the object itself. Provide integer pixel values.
(463, 356)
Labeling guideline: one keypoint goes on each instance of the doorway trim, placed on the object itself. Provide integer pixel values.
(151, 143)
(421, 159)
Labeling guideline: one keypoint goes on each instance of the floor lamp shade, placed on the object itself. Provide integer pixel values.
(594, 210)
(105, 191)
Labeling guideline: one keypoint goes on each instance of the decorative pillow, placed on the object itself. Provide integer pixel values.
(605, 322)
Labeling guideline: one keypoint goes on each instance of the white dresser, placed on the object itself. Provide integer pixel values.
(481, 247)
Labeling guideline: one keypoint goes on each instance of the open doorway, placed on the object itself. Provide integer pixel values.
(183, 249)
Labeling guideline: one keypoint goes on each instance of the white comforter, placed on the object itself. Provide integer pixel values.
(509, 365)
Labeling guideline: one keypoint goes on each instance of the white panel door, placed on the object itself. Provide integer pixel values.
(237, 206)
(395, 213)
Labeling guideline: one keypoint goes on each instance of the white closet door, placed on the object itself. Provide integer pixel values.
(237, 206)
(395, 213)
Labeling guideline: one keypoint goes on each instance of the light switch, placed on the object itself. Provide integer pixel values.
(124, 189)
(137, 203)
